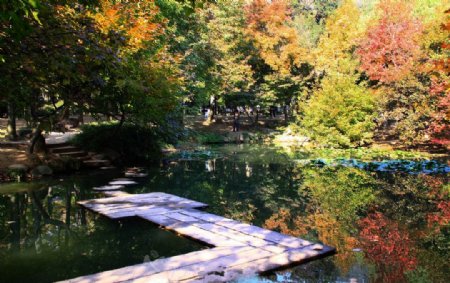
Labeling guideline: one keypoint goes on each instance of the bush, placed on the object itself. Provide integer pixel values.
(132, 142)
(340, 114)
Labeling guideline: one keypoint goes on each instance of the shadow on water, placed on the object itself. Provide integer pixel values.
(387, 225)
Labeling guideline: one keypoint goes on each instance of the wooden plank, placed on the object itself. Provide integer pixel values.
(122, 183)
(233, 234)
(136, 210)
(251, 230)
(218, 265)
(263, 264)
(272, 236)
(240, 248)
(205, 236)
(205, 216)
(184, 217)
(115, 193)
(108, 188)
(150, 198)
(160, 219)
(159, 265)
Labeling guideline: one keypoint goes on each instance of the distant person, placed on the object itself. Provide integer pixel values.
(237, 115)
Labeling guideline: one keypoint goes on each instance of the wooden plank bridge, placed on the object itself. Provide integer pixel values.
(237, 249)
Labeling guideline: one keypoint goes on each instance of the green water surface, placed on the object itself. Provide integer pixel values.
(389, 220)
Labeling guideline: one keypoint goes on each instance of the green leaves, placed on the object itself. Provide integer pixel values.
(340, 113)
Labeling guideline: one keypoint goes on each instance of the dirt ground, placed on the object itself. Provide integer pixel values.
(224, 123)
(12, 155)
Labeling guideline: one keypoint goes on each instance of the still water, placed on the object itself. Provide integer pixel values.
(389, 221)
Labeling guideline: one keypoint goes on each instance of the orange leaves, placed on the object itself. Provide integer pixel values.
(271, 29)
(138, 20)
(391, 47)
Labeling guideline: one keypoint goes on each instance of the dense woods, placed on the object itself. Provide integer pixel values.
(343, 72)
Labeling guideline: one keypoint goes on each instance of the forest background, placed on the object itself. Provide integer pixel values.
(343, 72)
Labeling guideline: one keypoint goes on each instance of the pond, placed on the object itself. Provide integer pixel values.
(389, 220)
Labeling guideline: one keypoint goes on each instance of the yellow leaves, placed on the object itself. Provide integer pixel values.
(334, 52)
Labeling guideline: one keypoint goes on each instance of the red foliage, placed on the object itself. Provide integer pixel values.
(391, 48)
(388, 246)
(440, 89)
(440, 218)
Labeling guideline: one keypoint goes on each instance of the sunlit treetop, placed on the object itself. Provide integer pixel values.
(391, 46)
(334, 52)
(270, 26)
(137, 20)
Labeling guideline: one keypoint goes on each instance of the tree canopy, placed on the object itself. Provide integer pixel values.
(381, 63)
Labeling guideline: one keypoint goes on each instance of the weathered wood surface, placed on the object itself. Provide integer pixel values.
(238, 250)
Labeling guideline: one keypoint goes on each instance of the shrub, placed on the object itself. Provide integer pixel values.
(132, 142)
(340, 114)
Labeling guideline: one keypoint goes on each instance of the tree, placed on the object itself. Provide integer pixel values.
(270, 28)
(390, 50)
(232, 71)
(392, 56)
(334, 52)
(108, 59)
(440, 89)
(340, 113)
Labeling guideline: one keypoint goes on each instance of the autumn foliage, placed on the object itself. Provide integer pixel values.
(387, 245)
(391, 49)
(440, 90)
(271, 28)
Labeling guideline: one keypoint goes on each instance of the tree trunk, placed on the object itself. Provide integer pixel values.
(12, 131)
(285, 111)
(81, 118)
(38, 143)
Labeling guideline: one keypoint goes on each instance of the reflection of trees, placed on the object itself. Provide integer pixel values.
(44, 235)
(236, 188)
(319, 226)
(334, 199)
(342, 192)
(388, 246)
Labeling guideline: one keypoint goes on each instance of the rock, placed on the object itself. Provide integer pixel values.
(42, 170)
(18, 168)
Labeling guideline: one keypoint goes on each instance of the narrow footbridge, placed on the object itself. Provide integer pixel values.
(237, 249)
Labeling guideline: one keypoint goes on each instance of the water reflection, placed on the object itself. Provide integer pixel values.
(45, 236)
(386, 226)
